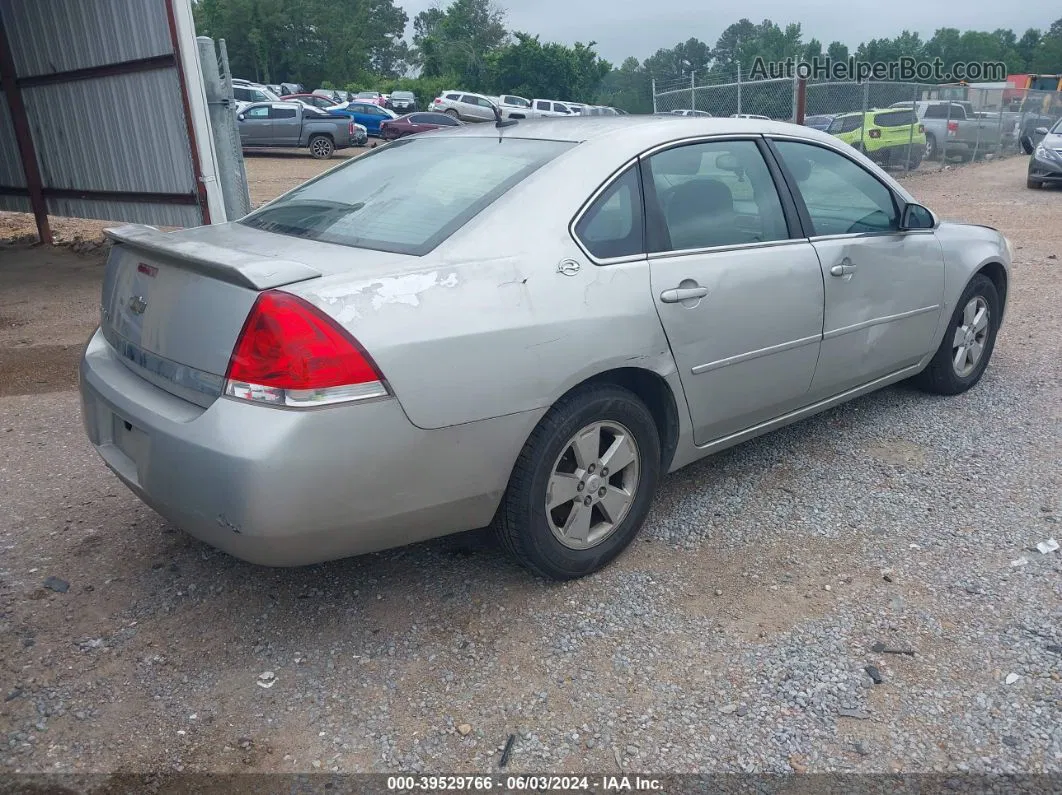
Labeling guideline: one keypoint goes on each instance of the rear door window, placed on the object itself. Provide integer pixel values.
(447, 182)
(282, 113)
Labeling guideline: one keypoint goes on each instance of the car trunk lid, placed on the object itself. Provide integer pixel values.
(173, 304)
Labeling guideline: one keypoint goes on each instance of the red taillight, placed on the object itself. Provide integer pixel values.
(953, 126)
(875, 133)
(921, 129)
(289, 353)
(437, 101)
(351, 129)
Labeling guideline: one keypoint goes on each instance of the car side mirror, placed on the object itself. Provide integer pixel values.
(241, 117)
(1041, 131)
(915, 216)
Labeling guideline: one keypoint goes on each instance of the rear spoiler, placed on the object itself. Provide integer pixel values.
(230, 265)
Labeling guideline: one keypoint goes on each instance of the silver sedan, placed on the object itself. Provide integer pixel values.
(452, 332)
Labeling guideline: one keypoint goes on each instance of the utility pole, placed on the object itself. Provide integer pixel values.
(221, 107)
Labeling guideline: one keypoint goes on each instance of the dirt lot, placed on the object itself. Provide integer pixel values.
(733, 637)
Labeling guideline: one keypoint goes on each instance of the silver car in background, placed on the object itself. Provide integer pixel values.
(465, 106)
(366, 361)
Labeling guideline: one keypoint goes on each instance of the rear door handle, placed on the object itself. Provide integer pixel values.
(844, 268)
(680, 294)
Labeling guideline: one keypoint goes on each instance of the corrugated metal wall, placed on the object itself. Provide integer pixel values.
(120, 133)
(120, 129)
(11, 173)
(50, 36)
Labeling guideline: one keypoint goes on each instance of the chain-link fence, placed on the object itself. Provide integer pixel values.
(901, 125)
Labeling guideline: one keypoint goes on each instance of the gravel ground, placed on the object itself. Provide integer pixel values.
(733, 636)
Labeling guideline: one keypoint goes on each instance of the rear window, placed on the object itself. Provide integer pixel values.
(449, 181)
(895, 118)
(945, 111)
(843, 124)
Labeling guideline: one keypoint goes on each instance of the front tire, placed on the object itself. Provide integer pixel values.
(968, 342)
(582, 486)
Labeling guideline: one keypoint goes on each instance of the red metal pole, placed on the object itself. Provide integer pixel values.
(24, 138)
(801, 99)
(189, 125)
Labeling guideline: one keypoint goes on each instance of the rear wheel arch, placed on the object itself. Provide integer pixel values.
(655, 393)
(649, 387)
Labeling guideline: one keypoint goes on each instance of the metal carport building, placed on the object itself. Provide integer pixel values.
(103, 113)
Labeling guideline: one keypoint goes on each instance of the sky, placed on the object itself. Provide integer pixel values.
(641, 28)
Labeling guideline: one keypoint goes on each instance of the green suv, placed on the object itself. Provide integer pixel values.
(890, 136)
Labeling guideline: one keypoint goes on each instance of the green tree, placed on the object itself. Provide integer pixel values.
(627, 87)
(1026, 48)
(837, 51)
(736, 42)
(305, 41)
(690, 57)
(458, 40)
(813, 49)
(1047, 59)
(530, 68)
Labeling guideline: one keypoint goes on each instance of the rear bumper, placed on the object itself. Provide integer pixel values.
(286, 488)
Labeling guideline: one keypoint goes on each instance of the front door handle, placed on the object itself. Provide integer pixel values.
(844, 268)
(680, 294)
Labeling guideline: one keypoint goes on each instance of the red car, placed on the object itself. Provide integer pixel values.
(413, 123)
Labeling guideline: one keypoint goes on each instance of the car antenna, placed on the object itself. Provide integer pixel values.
(499, 122)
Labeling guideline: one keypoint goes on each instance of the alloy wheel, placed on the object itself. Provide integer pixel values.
(592, 484)
(971, 333)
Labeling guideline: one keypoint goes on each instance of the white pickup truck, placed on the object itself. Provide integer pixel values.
(514, 107)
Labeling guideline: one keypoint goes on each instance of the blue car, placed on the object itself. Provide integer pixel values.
(365, 113)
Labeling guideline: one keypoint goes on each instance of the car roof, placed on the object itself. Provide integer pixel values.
(637, 132)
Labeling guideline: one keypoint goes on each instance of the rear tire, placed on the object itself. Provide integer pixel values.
(932, 152)
(452, 113)
(321, 147)
(569, 453)
(953, 369)
(1035, 184)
